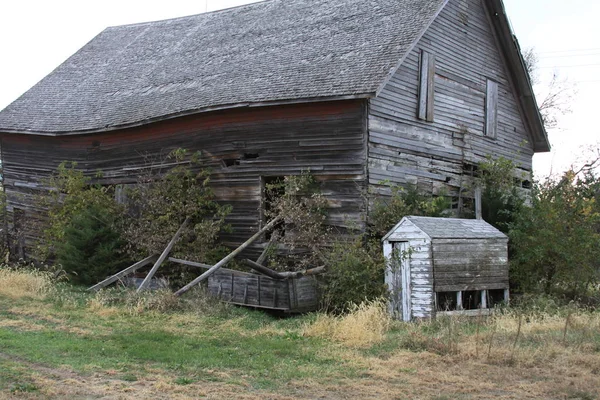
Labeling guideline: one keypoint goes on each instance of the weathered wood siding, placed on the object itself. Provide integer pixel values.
(421, 270)
(326, 138)
(469, 264)
(405, 149)
(254, 290)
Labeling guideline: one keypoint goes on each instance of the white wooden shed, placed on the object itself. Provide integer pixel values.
(445, 266)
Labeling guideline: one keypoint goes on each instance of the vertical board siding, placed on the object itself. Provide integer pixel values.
(421, 270)
(405, 149)
(325, 138)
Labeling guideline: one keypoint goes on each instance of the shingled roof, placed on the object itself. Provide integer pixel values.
(272, 51)
(452, 228)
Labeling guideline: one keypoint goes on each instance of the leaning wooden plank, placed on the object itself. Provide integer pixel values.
(284, 275)
(124, 272)
(229, 257)
(264, 270)
(272, 243)
(189, 263)
(164, 255)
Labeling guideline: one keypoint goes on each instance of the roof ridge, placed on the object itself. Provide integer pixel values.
(205, 13)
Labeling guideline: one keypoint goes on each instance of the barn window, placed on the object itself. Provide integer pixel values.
(426, 86)
(491, 109)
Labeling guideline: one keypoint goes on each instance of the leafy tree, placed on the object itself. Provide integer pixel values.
(500, 197)
(386, 212)
(556, 241)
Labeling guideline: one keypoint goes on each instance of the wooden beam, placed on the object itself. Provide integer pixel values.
(189, 263)
(263, 256)
(126, 271)
(164, 255)
(229, 257)
(283, 275)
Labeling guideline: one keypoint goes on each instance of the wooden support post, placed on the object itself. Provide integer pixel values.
(164, 255)
(478, 205)
(126, 271)
(263, 256)
(484, 299)
(228, 258)
(459, 305)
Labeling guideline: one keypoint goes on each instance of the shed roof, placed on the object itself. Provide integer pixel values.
(276, 50)
(453, 228)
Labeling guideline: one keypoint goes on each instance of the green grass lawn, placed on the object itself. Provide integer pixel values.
(66, 343)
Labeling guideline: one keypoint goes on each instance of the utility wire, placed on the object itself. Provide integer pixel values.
(571, 66)
(567, 51)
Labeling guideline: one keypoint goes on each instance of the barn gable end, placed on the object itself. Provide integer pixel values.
(448, 106)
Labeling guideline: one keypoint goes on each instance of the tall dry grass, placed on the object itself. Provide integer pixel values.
(365, 324)
(19, 283)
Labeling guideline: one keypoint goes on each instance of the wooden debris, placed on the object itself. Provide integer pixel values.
(284, 275)
(272, 243)
(229, 257)
(126, 271)
(164, 255)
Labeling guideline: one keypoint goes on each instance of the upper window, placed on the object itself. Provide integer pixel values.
(426, 86)
(491, 109)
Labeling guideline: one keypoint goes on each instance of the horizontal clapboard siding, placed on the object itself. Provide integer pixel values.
(473, 264)
(404, 149)
(326, 138)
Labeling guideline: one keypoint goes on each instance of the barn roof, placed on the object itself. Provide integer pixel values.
(453, 228)
(276, 50)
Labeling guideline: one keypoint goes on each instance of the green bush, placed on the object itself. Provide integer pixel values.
(160, 203)
(386, 212)
(355, 273)
(91, 248)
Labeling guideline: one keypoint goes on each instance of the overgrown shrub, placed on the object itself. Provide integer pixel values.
(501, 200)
(303, 231)
(161, 202)
(91, 248)
(386, 211)
(81, 229)
(355, 273)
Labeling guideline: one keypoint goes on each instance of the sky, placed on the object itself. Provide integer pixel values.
(38, 35)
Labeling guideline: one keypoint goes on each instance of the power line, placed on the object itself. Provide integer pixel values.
(567, 51)
(571, 66)
(571, 55)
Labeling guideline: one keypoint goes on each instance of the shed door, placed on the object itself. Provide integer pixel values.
(401, 249)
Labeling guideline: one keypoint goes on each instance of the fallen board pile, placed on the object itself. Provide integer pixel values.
(290, 292)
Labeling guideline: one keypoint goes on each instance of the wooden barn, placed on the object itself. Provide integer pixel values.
(359, 92)
(445, 266)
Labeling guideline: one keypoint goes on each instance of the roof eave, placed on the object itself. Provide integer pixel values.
(186, 113)
(520, 77)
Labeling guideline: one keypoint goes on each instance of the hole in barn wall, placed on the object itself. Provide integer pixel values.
(250, 156)
(230, 162)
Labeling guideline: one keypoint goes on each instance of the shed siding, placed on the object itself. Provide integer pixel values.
(325, 138)
(470, 264)
(404, 149)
